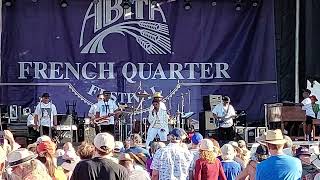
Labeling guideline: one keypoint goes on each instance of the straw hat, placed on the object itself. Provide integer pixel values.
(157, 95)
(20, 156)
(125, 157)
(274, 137)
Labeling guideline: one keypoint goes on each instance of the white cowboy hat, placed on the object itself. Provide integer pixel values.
(274, 137)
(157, 95)
(69, 165)
(20, 156)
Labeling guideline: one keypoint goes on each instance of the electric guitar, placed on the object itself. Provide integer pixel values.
(221, 120)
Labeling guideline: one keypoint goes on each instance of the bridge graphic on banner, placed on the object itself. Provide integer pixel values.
(152, 36)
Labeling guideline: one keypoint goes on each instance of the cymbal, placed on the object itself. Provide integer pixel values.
(143, 94)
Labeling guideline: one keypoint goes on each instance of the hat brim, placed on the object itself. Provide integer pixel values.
(69, 166)
(306, 154)
(20, 161)
(275, 142)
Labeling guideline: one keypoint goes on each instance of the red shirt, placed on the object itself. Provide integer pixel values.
(205, 171)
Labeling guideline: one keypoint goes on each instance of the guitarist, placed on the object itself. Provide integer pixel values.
(225, 114)
(106, 111)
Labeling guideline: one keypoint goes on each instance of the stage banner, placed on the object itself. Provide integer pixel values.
(77, 52)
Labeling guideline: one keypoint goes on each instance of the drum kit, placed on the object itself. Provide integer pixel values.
(131, 119)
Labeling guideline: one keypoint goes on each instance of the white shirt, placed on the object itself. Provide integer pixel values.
(226, 112)
(45, 113)
(307, 106)
(93, 110)
(105, 108)
(159, 119)
(172, 162)
(30, 120)
(139, 174)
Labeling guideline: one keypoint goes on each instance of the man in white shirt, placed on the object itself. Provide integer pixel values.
(94, 108)
(225, 113)
(45, 115)
(158, 119)
(107, 110)
(158, 97)
(307, 106)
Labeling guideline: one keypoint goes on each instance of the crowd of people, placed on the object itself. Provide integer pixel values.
(272, 157)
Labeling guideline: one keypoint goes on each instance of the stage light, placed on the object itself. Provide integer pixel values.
(8, 3)
(63, 3)
(213, 3)
(187, 4)
(126, 4)
(255, 3)
(238, 5)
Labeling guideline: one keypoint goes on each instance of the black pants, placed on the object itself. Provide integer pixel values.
(33, 135)
(105, 128)
(226, 134)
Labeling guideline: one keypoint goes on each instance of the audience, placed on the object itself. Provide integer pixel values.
(126, 161)
(118, 149)
(154, 146)
(101, 166)
(278, 165)
(208, 166)
(308, 169)
(3, 158)
(196, 138)
(25, 166)
(179, 158)
(86, 150)
(136, 145)
(250, 171)
(70, 161)
(46, 154)
(239, 158)
(231, 168)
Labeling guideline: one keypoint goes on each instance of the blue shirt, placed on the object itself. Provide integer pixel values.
(282, 167)
(231, 169)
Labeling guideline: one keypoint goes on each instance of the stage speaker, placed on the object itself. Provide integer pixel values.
(206, 122)
(210, 101)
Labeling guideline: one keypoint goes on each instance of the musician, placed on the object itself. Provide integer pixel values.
(106, 111)
(225, 113)
(307, 106)
(158, 119)
(158, 97)
(45, 115)
(94, 108)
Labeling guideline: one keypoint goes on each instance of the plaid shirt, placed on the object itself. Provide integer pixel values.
(172, 162)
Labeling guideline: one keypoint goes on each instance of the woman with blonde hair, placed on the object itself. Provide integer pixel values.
(208, 166)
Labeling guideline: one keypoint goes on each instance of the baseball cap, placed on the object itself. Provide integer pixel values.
(118, 146)
(196, 138)
(226, 98)
(178, 133)
(106, 93)
(104, 142)
(302, 151)
(262, 150)
(46, 147)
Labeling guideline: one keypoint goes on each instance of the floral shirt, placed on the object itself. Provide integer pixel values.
(172, 162)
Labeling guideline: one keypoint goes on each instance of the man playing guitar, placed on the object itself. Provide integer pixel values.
(106, 112)
(225, 113)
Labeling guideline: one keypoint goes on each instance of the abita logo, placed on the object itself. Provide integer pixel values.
(152, 36)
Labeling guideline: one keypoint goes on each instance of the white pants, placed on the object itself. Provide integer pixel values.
(153, 132)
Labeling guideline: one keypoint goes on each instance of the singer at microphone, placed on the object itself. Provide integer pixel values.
(158, 119)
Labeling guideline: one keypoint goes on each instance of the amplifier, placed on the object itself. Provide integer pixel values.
(210, 101)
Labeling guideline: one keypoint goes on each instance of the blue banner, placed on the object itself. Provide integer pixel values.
(76, 52)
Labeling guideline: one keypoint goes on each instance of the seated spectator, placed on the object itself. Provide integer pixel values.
(179, 158)
(208, 166)
(249, 172)
(154, 146)
(278, 165)
(126, 161)
(25, 166)
(231, 168)
(309, 171)
(136, 146)
(86, 150)
(118, 148)
(46, 154)
(101, 166)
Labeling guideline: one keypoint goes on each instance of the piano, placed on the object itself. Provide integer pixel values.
(282, 115)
